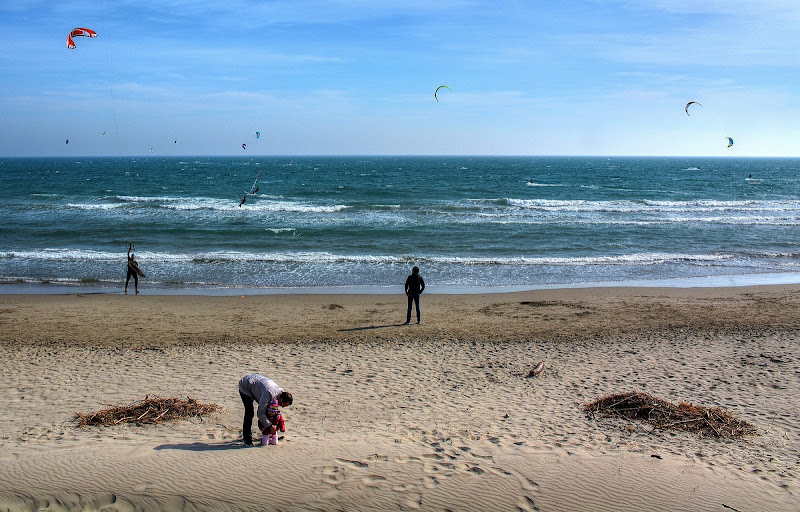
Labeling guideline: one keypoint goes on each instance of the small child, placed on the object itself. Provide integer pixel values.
(276, 418)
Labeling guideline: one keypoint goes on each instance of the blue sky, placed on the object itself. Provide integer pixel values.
(599, 77)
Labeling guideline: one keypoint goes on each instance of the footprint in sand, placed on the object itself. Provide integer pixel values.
(378, 457)
(442, 469)
(525, 504)
(104, 500)
(483, 457)
(434, 456)
(108, 500)
(431, 482)
(476, 470)
(404, 488)
(353, 463)
(373, 480)
(332, 475)
(414, 502)
(403, 459)
(526, 483)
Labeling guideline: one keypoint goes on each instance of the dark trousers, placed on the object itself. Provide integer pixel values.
(412, 298)
(135, 279)
(249, 412)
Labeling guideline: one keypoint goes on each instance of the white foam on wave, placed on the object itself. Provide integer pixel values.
(290, 206)
(330, 258)
(650, 206)
(534, 184)
(148, 258)
(147, 199)
(253, 204)
(77, 255)
(94, 206)
(313, 257)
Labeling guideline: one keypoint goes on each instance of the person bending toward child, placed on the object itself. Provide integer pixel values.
(263, 391)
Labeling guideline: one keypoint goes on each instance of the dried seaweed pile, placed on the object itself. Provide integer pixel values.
(662, 414)
(150, 410)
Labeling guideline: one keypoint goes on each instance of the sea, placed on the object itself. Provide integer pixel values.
(334, 224)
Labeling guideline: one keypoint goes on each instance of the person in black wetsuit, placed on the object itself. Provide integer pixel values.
(414, 287)
(132, 266)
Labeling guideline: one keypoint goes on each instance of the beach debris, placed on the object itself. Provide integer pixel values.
(151, 410)
(686, 108)
(437, 91)
(536, 370)
(665, 415)
(85, 32)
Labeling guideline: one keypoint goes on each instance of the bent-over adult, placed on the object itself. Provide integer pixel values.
(259, 389)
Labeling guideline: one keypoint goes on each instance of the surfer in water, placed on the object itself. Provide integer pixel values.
(243, 200)
(133, 269)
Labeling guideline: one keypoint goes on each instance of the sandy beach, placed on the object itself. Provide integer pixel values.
(437, 416)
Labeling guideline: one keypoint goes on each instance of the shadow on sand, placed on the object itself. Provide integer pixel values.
(370, 327)
(204, 447)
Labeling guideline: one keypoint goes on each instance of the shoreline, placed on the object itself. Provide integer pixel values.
(723, 281)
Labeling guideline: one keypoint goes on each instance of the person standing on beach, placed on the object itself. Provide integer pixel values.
(259, 389)
(133, 269)
(415, 285)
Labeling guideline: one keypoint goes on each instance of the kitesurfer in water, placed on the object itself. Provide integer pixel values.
(253, 189)
(244, 198)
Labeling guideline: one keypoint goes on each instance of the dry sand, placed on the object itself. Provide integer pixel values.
(437, 416)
